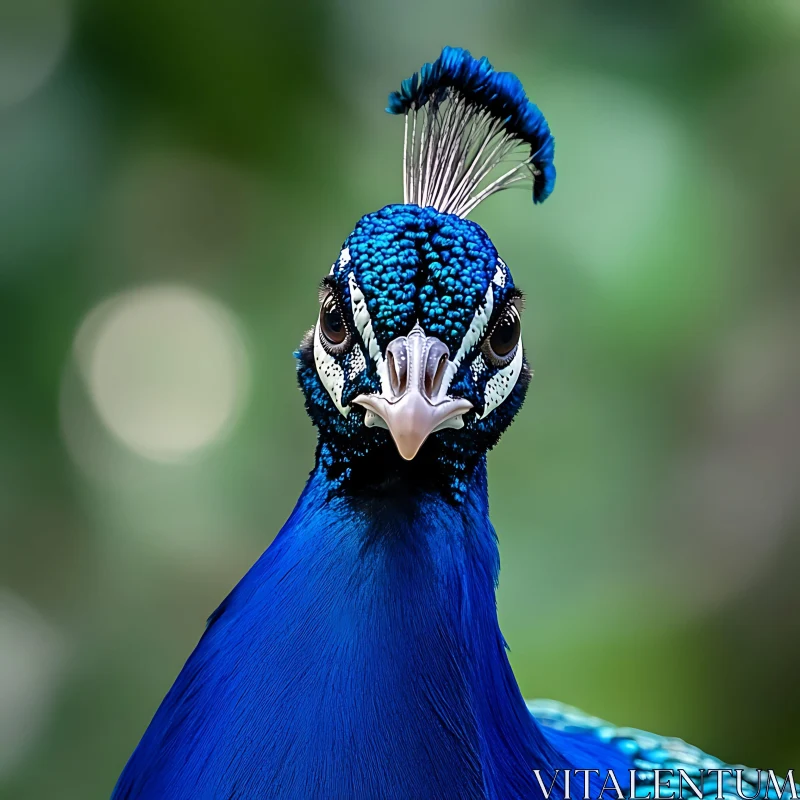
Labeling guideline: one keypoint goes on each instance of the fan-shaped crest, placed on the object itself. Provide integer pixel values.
(463, 122)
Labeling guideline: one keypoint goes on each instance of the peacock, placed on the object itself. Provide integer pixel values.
(361, 656)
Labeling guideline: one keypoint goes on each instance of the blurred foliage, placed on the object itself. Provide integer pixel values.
(646, 499)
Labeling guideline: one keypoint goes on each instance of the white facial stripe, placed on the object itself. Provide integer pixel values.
(475, 332)
(477, 327)
(363, 323)
(330, 372)
(500, 385)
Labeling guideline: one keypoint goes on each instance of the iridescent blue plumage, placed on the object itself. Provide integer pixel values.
(416, 263)
(361, 656)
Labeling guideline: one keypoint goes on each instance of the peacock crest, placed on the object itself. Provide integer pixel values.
(465, 123)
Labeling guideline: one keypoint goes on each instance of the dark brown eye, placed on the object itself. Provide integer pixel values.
(501, 345)
(331, 324)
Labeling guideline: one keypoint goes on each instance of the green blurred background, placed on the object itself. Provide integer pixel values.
(176, 177)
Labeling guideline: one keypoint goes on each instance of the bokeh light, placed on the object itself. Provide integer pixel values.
(166, 369)
(33, 38)
(32, 662)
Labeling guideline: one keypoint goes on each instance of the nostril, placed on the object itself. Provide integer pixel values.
(397, 367)
(434, 375)
(394, 378)
(435, 368)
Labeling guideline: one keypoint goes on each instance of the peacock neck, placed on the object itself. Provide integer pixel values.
(359, 657)
(407, 579)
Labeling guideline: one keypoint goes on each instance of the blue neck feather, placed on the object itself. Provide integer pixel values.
(360, 656)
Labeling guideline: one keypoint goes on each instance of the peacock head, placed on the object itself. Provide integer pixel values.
(415, 365)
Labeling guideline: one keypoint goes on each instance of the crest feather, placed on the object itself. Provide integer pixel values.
(463, 120)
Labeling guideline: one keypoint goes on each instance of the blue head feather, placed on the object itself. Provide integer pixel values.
(501, 94)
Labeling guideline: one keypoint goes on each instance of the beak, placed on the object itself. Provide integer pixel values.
(414, 402)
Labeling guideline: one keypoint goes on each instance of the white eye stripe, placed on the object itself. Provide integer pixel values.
(363, 323)
(475, 332)
(330, 372)
(477, 327)
(502, 383)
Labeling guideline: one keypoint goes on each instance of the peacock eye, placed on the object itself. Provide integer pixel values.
(500, 346)
(332, 325)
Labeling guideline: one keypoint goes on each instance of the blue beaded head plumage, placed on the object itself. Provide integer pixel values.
(417, 353)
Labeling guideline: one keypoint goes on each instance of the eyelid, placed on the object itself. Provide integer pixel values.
(515, 303)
